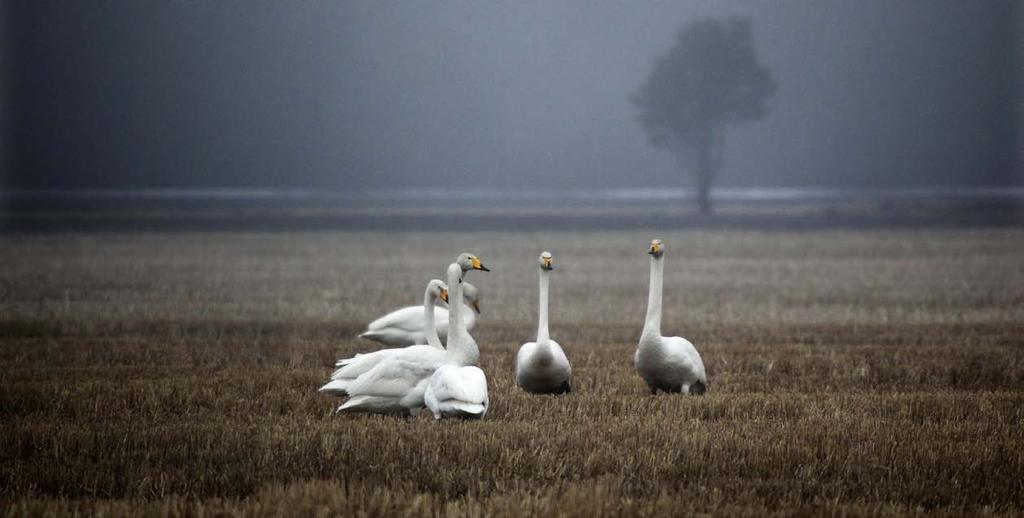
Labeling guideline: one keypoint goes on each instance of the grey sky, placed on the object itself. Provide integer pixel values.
(126, 93)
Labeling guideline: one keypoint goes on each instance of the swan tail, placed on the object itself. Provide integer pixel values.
(372, 335)
(373, 405)
(462, 409)
(345, 361)
(336, 388)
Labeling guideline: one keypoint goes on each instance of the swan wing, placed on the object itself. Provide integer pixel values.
(682, 353)
(464, 384)
(394, 377)
(409, 318)
(525, 351)
(359, 364)
(559, 356)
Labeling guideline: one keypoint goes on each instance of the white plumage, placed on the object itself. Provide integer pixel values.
(541, 366)
(457, 392)
(398, 384)
(394, 386)
(349, 369)
(458, 388)
(407, 326)
(670, 364)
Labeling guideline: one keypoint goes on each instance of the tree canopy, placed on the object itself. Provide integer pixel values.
(709, 79)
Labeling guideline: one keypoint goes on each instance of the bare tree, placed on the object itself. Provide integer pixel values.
(708, 80)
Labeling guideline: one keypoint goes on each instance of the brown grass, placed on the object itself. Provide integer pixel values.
(857, 373)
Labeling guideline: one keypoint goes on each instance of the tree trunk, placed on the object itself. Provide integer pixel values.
(705, 172)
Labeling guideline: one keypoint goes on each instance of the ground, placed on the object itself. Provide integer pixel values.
(855, 372)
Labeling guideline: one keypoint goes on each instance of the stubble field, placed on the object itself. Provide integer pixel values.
(850, 372)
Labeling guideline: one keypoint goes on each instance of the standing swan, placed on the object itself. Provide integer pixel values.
(458, 388)
(351, 368)
(541, 366)
(670, 364)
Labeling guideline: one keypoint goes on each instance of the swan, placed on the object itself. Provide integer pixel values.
(458, 388)
(407, 326)
(670, 364)
(397, 384)
(351, 368)
(468, 261)
(541, 366)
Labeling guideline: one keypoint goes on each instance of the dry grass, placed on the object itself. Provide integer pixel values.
(851, 373)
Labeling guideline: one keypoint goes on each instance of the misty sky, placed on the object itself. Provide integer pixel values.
(130, 93)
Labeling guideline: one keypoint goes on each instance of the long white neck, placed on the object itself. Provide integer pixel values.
(428, 313)
(462, 350)
(652, 325)
(543, 336)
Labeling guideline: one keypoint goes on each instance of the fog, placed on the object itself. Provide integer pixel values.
(357, 95)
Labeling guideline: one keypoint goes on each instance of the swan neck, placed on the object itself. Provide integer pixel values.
(652, 325)
(542, 309)
(454, 309)
(461, 348)
(429, 299)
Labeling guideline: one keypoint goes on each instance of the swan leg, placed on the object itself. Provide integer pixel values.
(566, 388)
(698, 389)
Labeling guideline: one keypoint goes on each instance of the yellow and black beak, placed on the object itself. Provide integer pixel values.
(477, 265)
(548, 265)
(476, 306)
(444, 295)
(655, 249)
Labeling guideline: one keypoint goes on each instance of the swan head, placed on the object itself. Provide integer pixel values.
(471, 296)
(468, 261)
(546, 261)
(438, 290)
(657, 248)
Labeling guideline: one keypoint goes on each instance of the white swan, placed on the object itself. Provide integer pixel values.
(670, 364)
(397, 384)
(458, 388)
(351, 368)
(407, 326)
(541, 366)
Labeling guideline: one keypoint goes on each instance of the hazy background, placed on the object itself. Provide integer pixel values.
(357, 95)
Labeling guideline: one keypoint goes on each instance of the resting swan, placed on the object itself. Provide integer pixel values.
(351, 368)
(541, 366)
(407, 326)
(458, 388)
(670, 364)
(397, 384)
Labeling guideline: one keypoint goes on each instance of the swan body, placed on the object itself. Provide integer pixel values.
(394, 387)
(457, 392)
(458, 389)
(407, 326)
(669, 364)
(349, 369)
(398, 384)
(541, 366)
